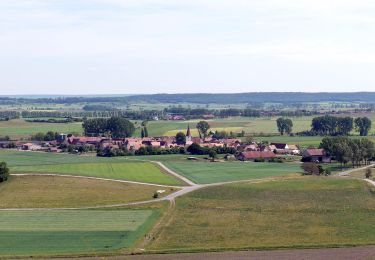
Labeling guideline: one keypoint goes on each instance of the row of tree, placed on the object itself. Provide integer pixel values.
(345, 150)
(328, 126)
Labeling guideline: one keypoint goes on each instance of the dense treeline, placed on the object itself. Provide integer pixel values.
(338, 126)
(116, 127)
(330, 125)
(188, 113)
(8, 115)
(344, 150)
(204, 98)
(56, 121)
(134, 115)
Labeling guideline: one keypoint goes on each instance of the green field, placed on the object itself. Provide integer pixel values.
(20, 128)
(24, 158)
(67, 192)
(263, 125)
(304, 212)
(56, 232)
(209, 172)
(131, 171)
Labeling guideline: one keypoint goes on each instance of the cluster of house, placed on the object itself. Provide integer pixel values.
(245, 152)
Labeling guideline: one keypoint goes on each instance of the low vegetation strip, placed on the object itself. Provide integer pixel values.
(131, 171)
(29, 233)
(68, 192)
(208, 172)
(302, 212)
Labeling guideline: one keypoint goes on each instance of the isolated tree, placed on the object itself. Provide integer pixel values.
(362, 125)
(284, 125)
(145, 131)
(368, 173)
(180, 138)
(4, 172)
(203, 128)
(120, 127)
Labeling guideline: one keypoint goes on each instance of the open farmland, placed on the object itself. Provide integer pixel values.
(304, 212)
(66, 192)
(54, 232)
(26, 158)
(211, 172)
(130, 171)
(20, 128)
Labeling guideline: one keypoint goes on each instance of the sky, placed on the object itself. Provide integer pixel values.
(173, 46)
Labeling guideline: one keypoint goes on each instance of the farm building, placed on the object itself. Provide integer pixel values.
(30, 147)
(315, 155)
(283, 148)
(254, 155)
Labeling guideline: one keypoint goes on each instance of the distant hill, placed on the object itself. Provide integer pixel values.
(204, 98)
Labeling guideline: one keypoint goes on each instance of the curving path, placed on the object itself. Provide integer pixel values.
(171, 197)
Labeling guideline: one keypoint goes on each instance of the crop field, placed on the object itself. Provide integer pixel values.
(264, 125)
(304, 212)
(211, 172)
(20, 128)
(54, 232)
(66, 192)
(131, 171)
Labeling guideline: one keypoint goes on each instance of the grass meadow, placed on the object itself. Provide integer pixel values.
(66, 192)
(300, 212)
(130, 171)
(111, 168)
(65, 232)
(211, 172)
(19, 128)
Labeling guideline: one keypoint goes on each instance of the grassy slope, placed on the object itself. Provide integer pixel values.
(68, 232)
(131, 171)
(112, 168)
(208, 172)
(60, 192)
(304, 212)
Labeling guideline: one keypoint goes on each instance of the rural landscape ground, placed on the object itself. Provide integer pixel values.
(72, 203)
(61, 205)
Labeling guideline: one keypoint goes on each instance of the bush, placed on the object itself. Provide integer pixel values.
(368, 173)
(4, 172)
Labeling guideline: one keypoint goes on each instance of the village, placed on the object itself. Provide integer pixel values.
(235, 148)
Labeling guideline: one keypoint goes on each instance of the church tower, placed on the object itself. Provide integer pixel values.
(188, 134)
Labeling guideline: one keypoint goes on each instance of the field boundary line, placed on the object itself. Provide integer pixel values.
(94, 178)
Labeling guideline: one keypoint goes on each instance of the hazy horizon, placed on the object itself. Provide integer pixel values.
(167, 46)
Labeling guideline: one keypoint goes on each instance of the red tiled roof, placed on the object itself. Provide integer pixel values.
(315, 152)
(258, 154)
